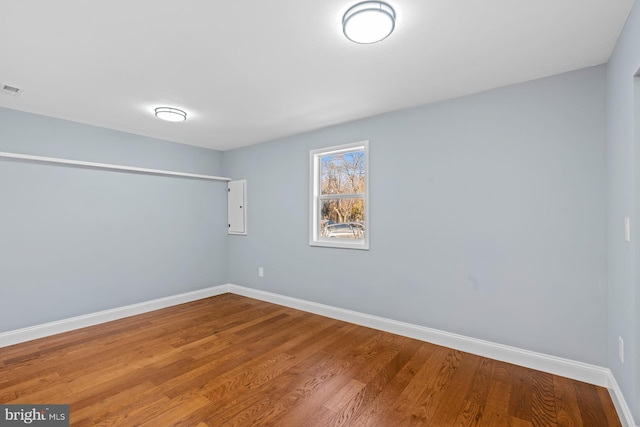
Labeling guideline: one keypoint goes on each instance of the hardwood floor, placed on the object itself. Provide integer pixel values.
(235, 361)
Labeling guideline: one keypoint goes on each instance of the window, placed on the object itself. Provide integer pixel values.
(340, 196)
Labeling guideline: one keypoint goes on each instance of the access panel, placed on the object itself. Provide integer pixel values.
(236, 207)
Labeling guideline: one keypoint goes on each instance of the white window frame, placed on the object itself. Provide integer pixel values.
(315, 197)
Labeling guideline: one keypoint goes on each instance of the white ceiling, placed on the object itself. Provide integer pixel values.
(248, 71)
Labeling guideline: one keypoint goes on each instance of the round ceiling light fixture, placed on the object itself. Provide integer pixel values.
(171, 114)
(369, 22)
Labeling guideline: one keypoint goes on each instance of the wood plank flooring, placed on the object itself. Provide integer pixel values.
(235, 361)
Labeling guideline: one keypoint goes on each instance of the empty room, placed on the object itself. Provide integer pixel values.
(329, 213)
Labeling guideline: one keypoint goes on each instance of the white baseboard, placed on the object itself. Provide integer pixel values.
(591, 374)
(555, 365)
(39, 331)
(580, 371)
(624, 412)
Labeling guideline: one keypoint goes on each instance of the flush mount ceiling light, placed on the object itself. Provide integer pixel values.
(170, 114)
(369, 22)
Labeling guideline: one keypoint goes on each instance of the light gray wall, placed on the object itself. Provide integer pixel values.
(623, 172)
(75, 241)
(488, 217)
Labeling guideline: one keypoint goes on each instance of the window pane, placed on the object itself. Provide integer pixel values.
(339, 191)
(342, 218)
(342, 173)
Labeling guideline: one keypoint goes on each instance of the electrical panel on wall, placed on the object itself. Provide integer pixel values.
(237, 207)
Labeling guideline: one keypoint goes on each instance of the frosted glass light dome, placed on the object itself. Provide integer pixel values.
(369, 22)
(171, 114)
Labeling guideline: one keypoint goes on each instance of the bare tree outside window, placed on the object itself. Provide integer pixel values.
(340, 203)
(343, 174)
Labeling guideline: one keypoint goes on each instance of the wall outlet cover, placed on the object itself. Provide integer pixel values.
(621, 349)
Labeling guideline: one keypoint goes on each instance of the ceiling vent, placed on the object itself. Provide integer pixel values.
(10, 90)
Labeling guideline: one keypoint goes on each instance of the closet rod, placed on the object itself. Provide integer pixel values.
(109, 166)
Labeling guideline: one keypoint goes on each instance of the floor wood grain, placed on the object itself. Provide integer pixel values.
(234, 361)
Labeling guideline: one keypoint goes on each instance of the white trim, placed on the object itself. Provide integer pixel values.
(555, 365)
(591, 374)
(108, 166)
(580, 371)
(624, 413)
(39, 331)
(314, 197)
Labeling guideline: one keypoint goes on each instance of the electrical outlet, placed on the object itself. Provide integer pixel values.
(260, 272)
(621, 349)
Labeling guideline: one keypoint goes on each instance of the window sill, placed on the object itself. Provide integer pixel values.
(360, 245)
